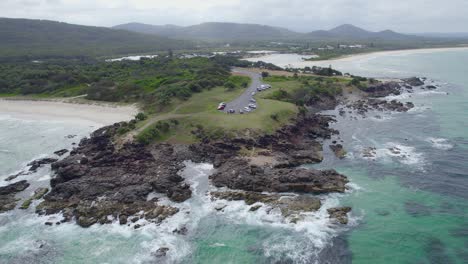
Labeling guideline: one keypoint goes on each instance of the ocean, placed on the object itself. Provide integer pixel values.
(409, 206)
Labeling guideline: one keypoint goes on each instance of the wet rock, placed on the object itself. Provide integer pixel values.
(137, 226)
(369, 152)
(14, 176)
(255, 207)
(236, 174)
(431, 87)
(182, 231)
(49, 223)
(338, 150)
(84, 221)
(36, 164)
(340, 214)
(298, 204)
(14, 188)
(161, 252)
(61, 152)
(220, 207)
(414, 81)
(123, 219)
(289, 205)
(383, 89)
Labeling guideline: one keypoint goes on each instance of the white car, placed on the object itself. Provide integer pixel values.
(246, 109)
(253, 106)
(254, 93)
(253, 100)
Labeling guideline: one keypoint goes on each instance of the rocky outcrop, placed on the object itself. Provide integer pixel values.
(365, 105)
(338, 150)
(61, 152)
(383, 89)
(7, 195)
(36, 164)
(288, 205)
(97, 182)
(414, 81)
(38, 194)
(238, 174)
(340, 214)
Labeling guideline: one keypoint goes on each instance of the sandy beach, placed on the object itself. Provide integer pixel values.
(390, 52)
(66, 111)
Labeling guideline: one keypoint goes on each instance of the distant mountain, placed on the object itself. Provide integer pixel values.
(350, 32)
(215, 31)
(253, 32)
(43, 38)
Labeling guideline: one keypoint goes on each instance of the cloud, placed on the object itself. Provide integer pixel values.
(301, 15)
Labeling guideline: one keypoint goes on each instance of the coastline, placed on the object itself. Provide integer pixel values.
(58, 110)
(387, 52)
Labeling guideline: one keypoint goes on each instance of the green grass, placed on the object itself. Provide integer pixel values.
(199, 112)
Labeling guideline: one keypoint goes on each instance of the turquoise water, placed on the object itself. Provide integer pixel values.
(413, 207)
(407, 208)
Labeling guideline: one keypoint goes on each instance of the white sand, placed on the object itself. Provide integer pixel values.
(392, 52)
(64, 111)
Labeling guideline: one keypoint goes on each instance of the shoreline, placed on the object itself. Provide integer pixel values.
(387, 52)
(61, 110)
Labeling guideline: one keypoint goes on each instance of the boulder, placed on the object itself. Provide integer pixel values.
(340, 214)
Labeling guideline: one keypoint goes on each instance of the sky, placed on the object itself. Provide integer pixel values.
(408, 16)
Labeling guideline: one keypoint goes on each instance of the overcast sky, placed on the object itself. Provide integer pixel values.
(301, 15)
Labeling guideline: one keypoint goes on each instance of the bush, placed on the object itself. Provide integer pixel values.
(141, 117)
(265, 74)
(230, 86)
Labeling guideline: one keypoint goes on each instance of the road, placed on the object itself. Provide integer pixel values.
(244, 99)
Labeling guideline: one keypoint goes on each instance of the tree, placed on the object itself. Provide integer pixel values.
(265, 74)
(230, 85)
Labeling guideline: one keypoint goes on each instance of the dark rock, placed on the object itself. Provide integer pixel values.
(36, 164)
(383, 89)
(61, 152)
(182, 231)
(255, 208)
(340, 214)
(414, 81)
(84, 221)
(338, 150)
(236, 174)
(431, 87)
(14, 188)
(48, 223)
(123, 219)
(288, 205)
(137, 226)
(161, 252)
(14, 176)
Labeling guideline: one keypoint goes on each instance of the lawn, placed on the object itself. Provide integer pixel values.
(199, 113)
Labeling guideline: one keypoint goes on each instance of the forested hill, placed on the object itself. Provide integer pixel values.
(42, 38)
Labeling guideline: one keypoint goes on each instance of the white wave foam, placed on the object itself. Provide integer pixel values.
(394, 151)
(440, 143)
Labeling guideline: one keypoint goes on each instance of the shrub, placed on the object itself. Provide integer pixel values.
(141, 117)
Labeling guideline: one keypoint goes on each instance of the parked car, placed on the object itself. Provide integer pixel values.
(247, 109)
(221, 106)
(231, 111)
(253, 106)
(253, 100)
(254, 93)
(241, 111)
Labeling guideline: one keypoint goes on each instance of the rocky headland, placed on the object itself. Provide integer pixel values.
(98, 183)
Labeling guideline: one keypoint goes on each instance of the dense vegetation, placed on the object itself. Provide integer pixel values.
(24, 39)
(304, 90)
(153, 81)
